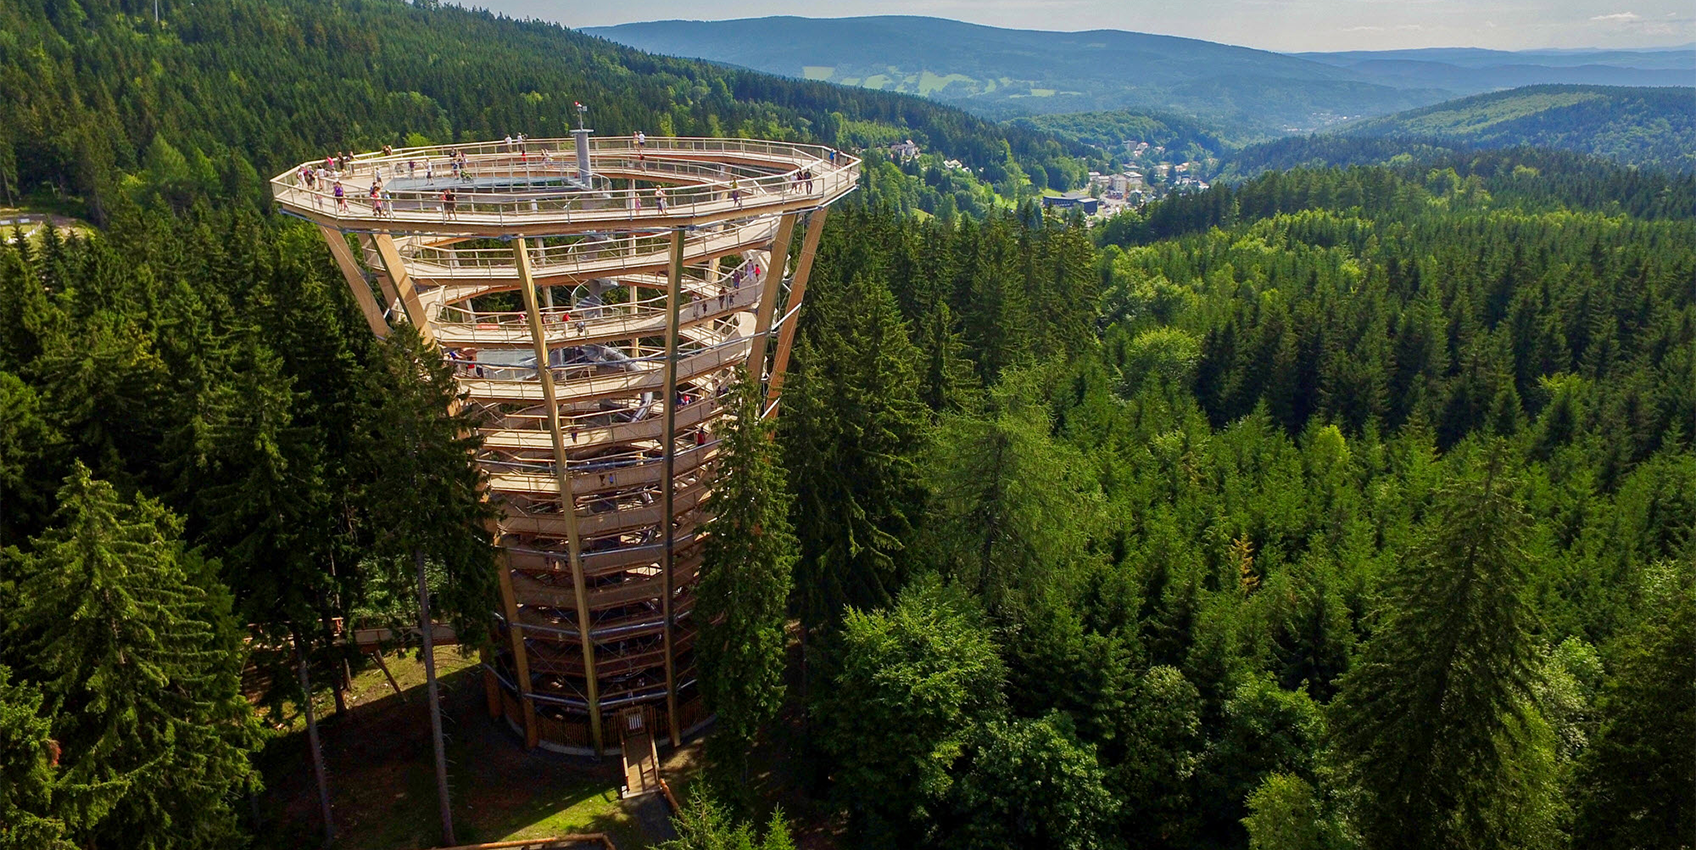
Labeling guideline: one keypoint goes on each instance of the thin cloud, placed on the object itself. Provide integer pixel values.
(1617, 16)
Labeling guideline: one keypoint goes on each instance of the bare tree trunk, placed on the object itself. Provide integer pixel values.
(312, 739)
(435, 701)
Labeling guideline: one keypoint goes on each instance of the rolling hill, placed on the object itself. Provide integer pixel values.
(1468, 70)
(1003, 73)
(1654, 127)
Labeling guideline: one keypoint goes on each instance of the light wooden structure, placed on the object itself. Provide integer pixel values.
(596, 298)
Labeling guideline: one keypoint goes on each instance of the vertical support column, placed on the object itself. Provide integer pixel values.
(768, 295)
(520, 658)
(673, 293)
(355, 281)
(385, 245)
(797, 293)
(562, 478)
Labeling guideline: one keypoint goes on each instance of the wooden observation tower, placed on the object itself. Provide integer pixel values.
(596, 297)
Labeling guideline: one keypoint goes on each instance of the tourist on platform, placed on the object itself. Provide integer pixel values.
(736, 191)
(411, 168)
(341, 196)
(641, 139)
(659, 200)
(388, 203)
(809, 175)
(449, 212)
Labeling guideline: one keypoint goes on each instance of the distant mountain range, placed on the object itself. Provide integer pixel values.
(1653, 127)
(1647, 127)
(1003, 73)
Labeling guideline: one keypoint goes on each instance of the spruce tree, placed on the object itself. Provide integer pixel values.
(30, 795)
(139, 662)
(853, 428)
(744, 585)
(1435, 724)
(424, 504)
(1634, 784)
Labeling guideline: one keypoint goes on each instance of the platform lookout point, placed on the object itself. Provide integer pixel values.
(596, 297)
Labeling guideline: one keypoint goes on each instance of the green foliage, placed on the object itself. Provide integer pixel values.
(1011, 507)
(852, 428)
(906, 688)
(1435, 723)
(1031, 783)
(138, 661)
(1648, 127)
(1284, 814)
(745, 581)
(1633, 784)
(114, 111)
(421, 497)
(705, 824)
(28, 781)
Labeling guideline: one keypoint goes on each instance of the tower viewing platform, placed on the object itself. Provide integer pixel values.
(596, 297)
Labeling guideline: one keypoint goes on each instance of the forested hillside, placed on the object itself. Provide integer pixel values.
(95, 98)
(1003, 73)
(1360, 516)
(1651, 127)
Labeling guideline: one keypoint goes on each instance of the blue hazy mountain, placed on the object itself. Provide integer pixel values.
(1003, 73)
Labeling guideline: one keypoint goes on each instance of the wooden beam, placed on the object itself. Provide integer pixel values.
(562, 475)
(391, 260)
(520, 658)
(797, 293)
(673, 297)
(356, 282)
(391, 296)
(768, 297)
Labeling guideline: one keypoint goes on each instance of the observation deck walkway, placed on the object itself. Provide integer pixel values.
(533, 188)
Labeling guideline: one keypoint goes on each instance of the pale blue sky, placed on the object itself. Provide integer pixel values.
(1287, 25)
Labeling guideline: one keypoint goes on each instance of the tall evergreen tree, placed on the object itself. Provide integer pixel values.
(139, 662)
(745, 580)
(1435, 724)
(1635, 783)
(424, 504)
(853, 428)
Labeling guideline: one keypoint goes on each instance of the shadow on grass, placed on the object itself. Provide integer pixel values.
(383, 787)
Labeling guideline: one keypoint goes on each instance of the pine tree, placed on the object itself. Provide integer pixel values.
(29, 812)
(139, 661)
(1435, 724)
(1634, 782)
(853, 428)
(424, 504)
(1011, 507)
(745, 579)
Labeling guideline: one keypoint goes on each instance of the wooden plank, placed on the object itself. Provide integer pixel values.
(520, 658)
(673, 296)
(574, 543)
(355, 280)
(797, 293)
(385, 245)
(775, 263)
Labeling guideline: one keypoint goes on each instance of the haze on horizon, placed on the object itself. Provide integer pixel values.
(1280, 25)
